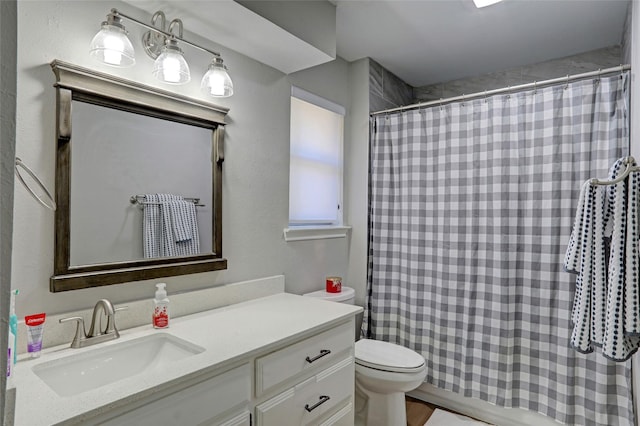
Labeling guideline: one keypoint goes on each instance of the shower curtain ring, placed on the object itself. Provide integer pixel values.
(535, 87)
(566, 86)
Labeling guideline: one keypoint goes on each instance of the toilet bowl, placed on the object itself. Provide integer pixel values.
(384, 372)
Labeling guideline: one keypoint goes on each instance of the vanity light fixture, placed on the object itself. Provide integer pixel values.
(112, 47)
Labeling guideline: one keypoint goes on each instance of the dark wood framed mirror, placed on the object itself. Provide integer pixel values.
(120, 143)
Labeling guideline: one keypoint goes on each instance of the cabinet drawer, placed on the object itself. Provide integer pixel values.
(320, 350)
(199, 404)
(242, 419)
(343, 417)
(310, 400)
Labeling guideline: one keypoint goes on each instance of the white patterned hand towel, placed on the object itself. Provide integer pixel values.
(152, 226)
(180, 235)
(185, 227)
(170, 226)
(182, 223)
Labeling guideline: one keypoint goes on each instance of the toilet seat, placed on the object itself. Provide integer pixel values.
(387, 356)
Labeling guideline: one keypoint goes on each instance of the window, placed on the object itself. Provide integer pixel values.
(315, 170)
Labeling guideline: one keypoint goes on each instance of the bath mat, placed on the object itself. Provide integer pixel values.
(445, 418)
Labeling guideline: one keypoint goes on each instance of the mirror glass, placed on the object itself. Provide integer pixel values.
(138, 181)
(118, 155)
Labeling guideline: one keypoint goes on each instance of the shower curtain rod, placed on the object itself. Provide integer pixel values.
(535, 84)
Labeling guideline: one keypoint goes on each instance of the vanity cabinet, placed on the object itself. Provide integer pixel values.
(311, 399)
(222, 400)
(313, 381)
(281, 360)
(308, 382)
(312, 353)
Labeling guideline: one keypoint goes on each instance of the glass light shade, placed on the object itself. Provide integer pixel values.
(112, 46)
(216, 82)
(171, 67)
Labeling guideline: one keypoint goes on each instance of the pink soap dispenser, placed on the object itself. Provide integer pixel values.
(160, 318)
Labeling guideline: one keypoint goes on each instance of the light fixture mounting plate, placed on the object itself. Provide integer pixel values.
(153, 42)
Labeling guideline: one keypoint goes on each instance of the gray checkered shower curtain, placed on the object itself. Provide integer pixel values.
(471, 210)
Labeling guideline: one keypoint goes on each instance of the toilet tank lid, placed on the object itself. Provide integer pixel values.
(384, 354)
(346, 294)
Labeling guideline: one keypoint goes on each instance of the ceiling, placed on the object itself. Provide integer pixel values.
(421, 41)
(431, 41)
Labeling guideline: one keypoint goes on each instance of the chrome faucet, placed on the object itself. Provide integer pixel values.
(97, 333)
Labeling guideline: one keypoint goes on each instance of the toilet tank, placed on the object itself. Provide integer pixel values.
(347, 295)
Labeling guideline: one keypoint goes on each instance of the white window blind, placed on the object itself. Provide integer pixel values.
(315, 174)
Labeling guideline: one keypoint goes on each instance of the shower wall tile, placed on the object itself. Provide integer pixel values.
(625, 56)
(429, 93)
(375, 77)
(387, 90)
(378, 103)
(584, 62)
(481, 83)
(589, 61)
(396, 90)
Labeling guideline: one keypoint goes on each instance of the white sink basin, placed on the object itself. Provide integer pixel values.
(92, 369)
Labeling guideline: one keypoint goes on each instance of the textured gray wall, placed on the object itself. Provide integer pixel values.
(8, 30)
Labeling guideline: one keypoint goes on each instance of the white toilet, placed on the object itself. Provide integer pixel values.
(384, 372)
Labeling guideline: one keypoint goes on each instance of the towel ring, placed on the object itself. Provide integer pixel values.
(19, 163)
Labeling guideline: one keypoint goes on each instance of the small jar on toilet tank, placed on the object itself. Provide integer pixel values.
(334, 284)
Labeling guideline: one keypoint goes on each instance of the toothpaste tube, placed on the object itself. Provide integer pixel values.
(35, 330)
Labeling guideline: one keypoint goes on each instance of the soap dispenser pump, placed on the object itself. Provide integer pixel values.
(161, 307)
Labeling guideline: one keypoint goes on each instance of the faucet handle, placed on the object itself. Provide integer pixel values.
(80, 332)
(111, 321)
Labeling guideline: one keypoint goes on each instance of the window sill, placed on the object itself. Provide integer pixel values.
(300, 233)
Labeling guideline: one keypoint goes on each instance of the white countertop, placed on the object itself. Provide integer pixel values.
(228, 335)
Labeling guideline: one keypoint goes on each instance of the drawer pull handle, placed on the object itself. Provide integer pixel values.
(323, 352)
(323, 399)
